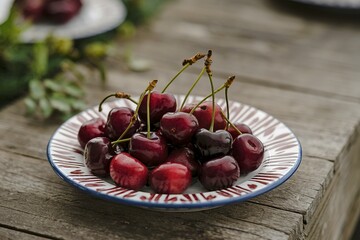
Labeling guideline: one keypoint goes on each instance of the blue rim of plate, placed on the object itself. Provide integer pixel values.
(176, 206)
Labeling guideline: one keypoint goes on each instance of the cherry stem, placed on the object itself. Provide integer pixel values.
(227, 106)
(226, 84)
(229, 122)
(192, 87)
(171, 81)
(148, 114)
(117, 95)
(150, 87)
(186, 63)
(208, 62)
(120, 141)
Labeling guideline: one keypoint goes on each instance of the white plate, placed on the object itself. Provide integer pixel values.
(282, 158)
(95, 17)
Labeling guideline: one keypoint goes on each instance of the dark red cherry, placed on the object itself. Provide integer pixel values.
(33, 9)
(212, 144)
(160, 103)
(185, 156)
(243, 128)
(170, 178)
(61, 11)
(151, 151)
(248, 151)
(179, 127)
(97, 155)
(91, 129)
(219, 173)
(128, 172)
(203, 113)
(118, 120)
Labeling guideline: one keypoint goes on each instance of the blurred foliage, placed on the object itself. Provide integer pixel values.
(140, 11)
(48, 71)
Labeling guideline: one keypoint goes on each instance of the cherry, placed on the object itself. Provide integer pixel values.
(243, 128)
(248, 151)
(160, 103)
(97, 155)
(219, 173)
(170, 178)
(203, 114)
(151, 151)
(179, 127)
(212, 144)
(91, 129)
(185, 156)
(33, 9)
(128, 172)
(118, 120)
(61, 11)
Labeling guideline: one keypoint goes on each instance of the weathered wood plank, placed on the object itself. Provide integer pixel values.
(11, 234)
(266, 53)
(303, 192)
(341, 201)
(42, 197)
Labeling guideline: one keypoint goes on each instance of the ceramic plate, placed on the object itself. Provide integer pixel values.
(95, 17)
(282, 158)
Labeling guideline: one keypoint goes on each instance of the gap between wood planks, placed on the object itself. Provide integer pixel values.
(29, 232)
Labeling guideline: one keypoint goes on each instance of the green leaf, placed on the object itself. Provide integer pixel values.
(60, 104)
(37, 90)
(30, 105)
(53, 85)
(45, 107)
(73, 90)
(78, 105)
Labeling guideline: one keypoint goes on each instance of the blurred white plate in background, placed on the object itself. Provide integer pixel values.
(340, 4)
(94, 18)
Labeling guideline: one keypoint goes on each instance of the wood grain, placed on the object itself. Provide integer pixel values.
(302, 69)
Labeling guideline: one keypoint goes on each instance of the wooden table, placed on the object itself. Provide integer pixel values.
(301, 67)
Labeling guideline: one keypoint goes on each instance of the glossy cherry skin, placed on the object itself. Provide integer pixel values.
(212, 144)
(203, 113)
(151, 151)
(98, 155)
(61, 11)
(170, 178)
(219, 173)
(91, 129)
(243, 128)
(128, 172)
(185, 156)
(248, 151)
(160, 103)
(118, 120)
(179, 127)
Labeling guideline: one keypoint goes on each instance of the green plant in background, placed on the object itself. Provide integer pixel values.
(139, 11)
(14, 60)
(56, 84)
(48, 71)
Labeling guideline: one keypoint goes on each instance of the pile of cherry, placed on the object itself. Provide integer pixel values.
(168, 147)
